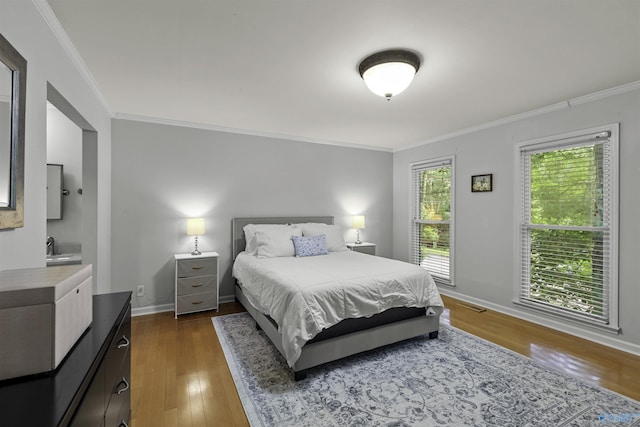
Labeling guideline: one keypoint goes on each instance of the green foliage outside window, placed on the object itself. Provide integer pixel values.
(435, 210)
(566, 187)
(566, 191)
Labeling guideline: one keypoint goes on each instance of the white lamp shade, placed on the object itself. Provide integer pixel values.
(389, 79)
(357, 221)
(195, 226)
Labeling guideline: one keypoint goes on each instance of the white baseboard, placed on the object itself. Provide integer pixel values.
(593, 336)
(153, 309)
(227, 299)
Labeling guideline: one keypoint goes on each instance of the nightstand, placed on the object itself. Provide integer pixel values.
(196, 282)
(364, 247)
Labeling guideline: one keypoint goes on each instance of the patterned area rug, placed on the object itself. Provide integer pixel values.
(455, 380)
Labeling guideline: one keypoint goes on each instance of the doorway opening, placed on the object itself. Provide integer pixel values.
(72, 190)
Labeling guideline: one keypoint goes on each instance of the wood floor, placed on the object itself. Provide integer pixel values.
(180, 376)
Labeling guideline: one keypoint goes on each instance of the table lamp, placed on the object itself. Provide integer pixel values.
(195, 227)
(357, 222)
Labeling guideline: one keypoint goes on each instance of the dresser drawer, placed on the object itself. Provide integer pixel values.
(120, 397)
(196, 285)
(118, 353)
(197, 302)
(196, 267)
(118, 373)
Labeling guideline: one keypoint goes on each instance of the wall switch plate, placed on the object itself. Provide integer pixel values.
(140, 291)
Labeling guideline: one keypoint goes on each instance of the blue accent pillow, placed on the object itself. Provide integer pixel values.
(310, 246)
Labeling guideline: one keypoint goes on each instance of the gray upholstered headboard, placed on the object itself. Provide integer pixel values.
(237, 232)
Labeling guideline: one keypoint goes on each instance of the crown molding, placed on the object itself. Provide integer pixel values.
(61, 35)
(273, 135)
(617, 90)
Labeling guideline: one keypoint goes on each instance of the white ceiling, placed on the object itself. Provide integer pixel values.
(289, 67)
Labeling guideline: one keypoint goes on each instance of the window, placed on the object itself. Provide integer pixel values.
(432, 218)
(568, 230)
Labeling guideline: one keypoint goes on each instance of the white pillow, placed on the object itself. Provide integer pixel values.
(310, 224)
(251, 247)
(335, 238)
(276, 242)
(311, 227)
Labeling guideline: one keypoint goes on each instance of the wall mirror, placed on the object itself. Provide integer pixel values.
(55, 190)
(13, 90)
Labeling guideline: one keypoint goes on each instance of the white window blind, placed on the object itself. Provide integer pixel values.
(567, 229)
(432, 218)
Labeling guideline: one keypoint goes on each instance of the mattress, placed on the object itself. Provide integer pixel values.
(307, 295)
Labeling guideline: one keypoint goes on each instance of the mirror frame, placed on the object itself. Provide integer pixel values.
(13, 215)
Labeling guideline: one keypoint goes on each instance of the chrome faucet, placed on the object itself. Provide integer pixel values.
(51, 246)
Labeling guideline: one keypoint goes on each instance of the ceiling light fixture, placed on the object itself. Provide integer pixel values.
(389, 72)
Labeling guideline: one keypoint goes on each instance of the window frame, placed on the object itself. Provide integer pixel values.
(563, 141)
(414, 214)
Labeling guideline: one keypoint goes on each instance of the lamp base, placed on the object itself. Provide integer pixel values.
(196, 251)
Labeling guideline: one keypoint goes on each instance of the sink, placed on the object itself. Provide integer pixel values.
(64, 259)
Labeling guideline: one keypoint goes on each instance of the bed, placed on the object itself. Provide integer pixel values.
(332, 331)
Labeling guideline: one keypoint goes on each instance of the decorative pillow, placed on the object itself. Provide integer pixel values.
(335, 239)
(276, 242)
(251, 247)
(310, 246)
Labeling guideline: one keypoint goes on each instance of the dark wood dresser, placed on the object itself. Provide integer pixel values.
(91, 387)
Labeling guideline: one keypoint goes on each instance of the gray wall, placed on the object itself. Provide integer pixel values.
(164, 174)
(485, 224)
(48, 62)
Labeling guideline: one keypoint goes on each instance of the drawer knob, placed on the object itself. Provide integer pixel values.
(197, 285)
(125, 343)
(199, 267)
(126, 386)
(197, 302)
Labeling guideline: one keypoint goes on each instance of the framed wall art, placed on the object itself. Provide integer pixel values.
(482, 183)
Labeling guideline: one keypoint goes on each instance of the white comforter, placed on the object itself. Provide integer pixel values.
(306, 295)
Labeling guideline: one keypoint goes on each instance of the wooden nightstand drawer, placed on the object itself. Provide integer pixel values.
(197, 267)
(197, 302)
(196, 285)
